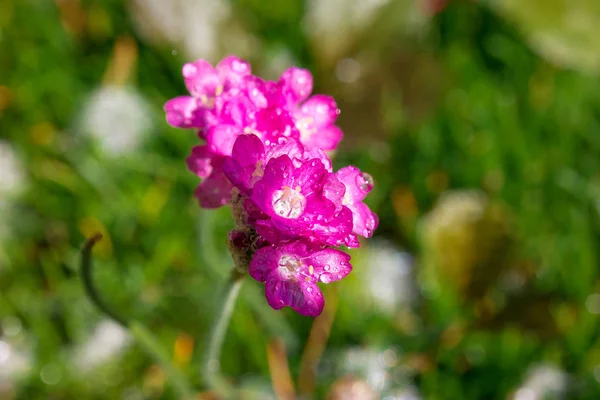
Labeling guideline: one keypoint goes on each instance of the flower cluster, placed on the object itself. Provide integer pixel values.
(263, 153)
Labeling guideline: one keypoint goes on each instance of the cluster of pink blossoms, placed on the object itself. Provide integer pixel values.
(264, 154)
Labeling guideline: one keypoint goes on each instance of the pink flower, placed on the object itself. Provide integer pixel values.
(205, 84)
(291, 273)
(263, 151)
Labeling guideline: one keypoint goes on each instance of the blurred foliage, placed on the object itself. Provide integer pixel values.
(486, 159)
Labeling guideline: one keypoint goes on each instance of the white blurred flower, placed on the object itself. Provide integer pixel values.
(368, 364)
(13, 181)
(382, 370)
(544, 382)
(12, 174)
(118, 118)
(201, 27)
(333, 23)
(14, 362)
(108, 340)
(390, 279)
(408, 393)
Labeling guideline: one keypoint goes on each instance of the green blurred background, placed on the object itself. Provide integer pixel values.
(479, 120)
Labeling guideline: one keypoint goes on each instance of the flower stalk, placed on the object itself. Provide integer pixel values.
(141, 334)
(212, 356)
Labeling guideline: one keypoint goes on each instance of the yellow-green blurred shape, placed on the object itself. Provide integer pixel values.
(467, 241)
(567, 33)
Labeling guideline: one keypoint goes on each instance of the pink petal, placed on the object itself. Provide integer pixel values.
(241, 168)
(277, 174)
(334, 190)
(266, 229)
(318, 207)
(291, 148)
(296, 84)
(248, 149)
(321, 109)
(364, 220)
(200, 161)
(351, 241)
(326, 138)
(334, 231)
(302, 296)
(357, 183)
(234, 108)
(200, 78)
(184, 112)
(232, 70)
(263, 262)
(256, 89)
(221, 138)
(310, 176)
(321, 155)
(214, 192)
(329, 264)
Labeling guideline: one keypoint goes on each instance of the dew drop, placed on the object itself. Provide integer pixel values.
(309, 289)
(364, 182)
(327, 268)
(267, 142)
(325, 278)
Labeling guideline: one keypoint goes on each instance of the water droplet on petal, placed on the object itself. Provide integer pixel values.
(364, 182)
(325, 278)
(326, 268)
(309, 289)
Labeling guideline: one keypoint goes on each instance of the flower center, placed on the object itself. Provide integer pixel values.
(289, 267)
(208, 102)
(288, 202)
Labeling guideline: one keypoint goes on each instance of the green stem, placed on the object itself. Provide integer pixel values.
(143, 336)
(88, 280)
(212, 365)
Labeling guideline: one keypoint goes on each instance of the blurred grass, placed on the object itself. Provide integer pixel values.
(460, 103)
